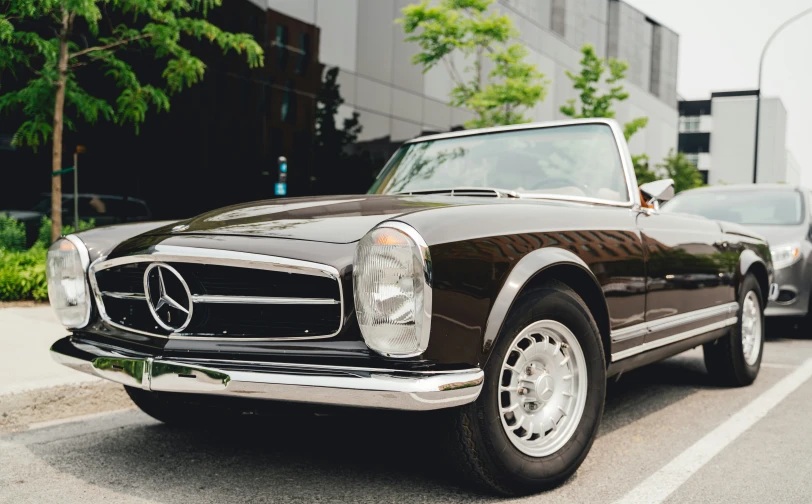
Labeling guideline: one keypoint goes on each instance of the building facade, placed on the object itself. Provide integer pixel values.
(337, 95)
(718, 136)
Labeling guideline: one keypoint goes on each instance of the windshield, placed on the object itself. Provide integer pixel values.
(579, 161)
(754, 208)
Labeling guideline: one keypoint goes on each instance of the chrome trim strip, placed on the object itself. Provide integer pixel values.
(293, 365)
(666, 323)
(617, 131)
(84, 256)
(425, 258)
(401, 390)
(171, 253)
(630, 332)
(206, 298)
(651, 345)
(125, 295)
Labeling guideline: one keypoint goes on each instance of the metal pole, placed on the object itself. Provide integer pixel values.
(76, 191)
(758, 90)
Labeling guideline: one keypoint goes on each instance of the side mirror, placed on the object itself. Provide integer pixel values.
(657, 192)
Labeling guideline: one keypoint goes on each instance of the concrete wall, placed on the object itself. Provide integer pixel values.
(733, 135)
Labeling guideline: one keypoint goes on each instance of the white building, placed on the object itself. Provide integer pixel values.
(396, 101)
(718, 135)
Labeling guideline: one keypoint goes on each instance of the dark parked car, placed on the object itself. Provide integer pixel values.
(479, 275)
(781, 214)
(104, 209)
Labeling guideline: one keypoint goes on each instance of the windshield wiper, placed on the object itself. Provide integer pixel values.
(488, 192)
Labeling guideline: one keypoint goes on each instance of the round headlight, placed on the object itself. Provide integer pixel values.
(67, 285)
(392, 290)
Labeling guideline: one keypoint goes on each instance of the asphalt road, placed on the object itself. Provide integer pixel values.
(667, 436)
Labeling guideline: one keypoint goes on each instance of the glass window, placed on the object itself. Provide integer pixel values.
(757, 207)
(689, 124)
(575, 161)
(281, 43)
(304, 55)
(692, 157)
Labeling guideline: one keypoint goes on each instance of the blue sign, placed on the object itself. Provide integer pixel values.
(283, 167)
(280, 189)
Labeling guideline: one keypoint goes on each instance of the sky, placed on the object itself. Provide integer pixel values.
(720, 42)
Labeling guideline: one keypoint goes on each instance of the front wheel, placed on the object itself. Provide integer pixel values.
(541, 405)
(735, 359)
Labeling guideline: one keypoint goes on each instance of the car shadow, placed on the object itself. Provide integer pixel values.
(348, 457)
(646, 390)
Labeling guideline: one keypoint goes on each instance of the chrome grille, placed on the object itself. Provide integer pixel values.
(235, 295)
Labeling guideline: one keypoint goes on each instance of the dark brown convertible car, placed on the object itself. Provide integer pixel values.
(501, 274)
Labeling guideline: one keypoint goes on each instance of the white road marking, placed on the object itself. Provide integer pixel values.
(779, 365)
(660, 485)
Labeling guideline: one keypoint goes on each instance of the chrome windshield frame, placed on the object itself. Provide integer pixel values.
(633, 200)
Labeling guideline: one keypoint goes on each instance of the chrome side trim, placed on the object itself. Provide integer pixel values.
(630, 332)
(84, 256)
(171, 253)
(425, 259)
(205, 298)
(674, 339)
(374, 388)
(666, 323)
(125, 295)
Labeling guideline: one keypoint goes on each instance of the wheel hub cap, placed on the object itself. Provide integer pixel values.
(751, 328)
(543, 387)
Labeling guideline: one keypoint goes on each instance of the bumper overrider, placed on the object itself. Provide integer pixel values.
(332, 385)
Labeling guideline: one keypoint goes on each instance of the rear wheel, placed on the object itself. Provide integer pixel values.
(735, 359)
(540, 408)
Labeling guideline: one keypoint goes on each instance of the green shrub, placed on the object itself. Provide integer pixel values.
(22, 275)
(12, 233)
(44, 237)
(22, 272)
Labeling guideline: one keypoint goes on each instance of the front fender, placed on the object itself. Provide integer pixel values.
(529, 267)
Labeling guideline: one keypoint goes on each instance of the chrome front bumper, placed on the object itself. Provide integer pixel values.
(335, 385)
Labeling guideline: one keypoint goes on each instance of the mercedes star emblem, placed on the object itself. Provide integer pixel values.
(168, 297)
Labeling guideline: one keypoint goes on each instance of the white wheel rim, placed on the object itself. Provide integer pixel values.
(751, 328)
(542, 388)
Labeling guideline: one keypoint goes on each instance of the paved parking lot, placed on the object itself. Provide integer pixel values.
(667, 436)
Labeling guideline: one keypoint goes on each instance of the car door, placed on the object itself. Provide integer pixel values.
(687, 285)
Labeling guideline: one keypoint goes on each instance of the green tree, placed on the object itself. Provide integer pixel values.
(594, 103)
(676, 166)
(451, 28)
(45, 43)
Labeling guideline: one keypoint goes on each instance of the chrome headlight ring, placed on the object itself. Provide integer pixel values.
(392, 288)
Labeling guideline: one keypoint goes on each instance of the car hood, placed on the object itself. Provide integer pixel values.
(781, 235)
(331, 219)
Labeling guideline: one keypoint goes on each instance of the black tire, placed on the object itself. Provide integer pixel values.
(479, 444)
(178, 409)
(724, 358)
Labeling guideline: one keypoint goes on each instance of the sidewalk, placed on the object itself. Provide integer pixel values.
(26, 335)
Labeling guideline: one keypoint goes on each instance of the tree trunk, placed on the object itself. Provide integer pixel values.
(59, 110)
